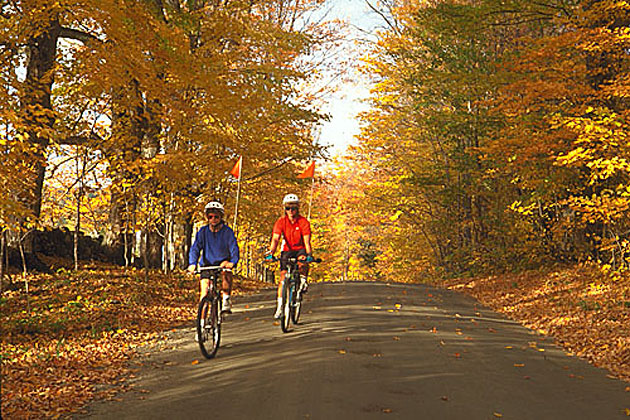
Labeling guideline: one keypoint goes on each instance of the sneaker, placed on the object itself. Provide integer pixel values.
(278, 313)
(226, 307)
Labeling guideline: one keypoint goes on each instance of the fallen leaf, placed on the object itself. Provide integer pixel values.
(342, 351)
(499, 415)
(444, 398)
(509, 347)
(194, 362)
(519, 364)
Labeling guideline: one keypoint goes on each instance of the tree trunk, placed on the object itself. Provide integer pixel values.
(188, 231)
(36, 102)
(3, 252)
(154, 253)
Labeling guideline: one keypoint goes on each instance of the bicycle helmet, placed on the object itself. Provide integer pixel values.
(290, 198)
(214, 205)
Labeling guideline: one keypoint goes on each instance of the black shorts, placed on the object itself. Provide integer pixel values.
(285, 255)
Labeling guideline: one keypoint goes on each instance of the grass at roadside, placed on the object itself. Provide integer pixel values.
(70, 340)
(586, 311)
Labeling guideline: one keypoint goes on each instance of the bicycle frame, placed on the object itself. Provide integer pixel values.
(209, 324)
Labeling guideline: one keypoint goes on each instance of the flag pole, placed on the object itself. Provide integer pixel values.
(238, 192)
(310, 201)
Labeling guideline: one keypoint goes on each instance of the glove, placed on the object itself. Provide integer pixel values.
(309, 258)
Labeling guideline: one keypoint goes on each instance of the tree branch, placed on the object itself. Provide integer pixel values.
(381, 14)
(82, 36)
(77, 140)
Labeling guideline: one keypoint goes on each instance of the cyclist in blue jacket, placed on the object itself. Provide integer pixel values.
(217, 242)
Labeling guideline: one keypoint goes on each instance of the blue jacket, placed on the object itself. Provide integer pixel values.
(216, 246)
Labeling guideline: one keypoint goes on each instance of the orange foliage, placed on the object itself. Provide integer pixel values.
(81, 329)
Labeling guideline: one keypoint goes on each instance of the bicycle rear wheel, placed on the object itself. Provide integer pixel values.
(286, 306)
(208, 326)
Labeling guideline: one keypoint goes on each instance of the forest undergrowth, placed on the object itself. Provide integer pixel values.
(71, 340)
(586, 311)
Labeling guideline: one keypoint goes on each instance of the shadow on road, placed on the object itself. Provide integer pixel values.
(365, 350)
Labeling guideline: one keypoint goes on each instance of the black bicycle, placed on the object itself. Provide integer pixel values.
(292, 294)
(209, 315)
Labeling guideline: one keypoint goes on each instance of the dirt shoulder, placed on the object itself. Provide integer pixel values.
(585, 311)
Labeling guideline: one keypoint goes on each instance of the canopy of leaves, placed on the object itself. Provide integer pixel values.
(497, 137)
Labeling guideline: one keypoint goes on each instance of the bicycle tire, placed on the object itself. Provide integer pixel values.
(286, 307)
(210, 334)
(296, 307)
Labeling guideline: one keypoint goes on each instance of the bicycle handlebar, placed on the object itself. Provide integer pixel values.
(211, 267)
(293, 259)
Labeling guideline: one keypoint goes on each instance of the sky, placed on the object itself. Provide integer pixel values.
(346, 103)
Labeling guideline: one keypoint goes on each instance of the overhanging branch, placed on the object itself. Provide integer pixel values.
(78, 35)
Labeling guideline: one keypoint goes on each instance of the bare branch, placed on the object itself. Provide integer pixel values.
(381, 14)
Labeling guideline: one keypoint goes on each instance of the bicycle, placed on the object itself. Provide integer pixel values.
(291, 294)
(209, 314)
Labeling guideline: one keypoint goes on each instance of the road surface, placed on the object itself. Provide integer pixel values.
(369, 350)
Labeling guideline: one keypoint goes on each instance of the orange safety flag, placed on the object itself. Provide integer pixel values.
(236, 170)
(308, 172)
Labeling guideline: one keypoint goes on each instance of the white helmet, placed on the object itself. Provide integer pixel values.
(215, 205)
(290, 198)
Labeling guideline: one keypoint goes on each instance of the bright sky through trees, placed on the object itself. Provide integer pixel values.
(347, 102)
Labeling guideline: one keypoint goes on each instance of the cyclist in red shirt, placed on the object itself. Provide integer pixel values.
(295, 231)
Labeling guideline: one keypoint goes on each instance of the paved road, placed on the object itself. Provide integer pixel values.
(369, 350)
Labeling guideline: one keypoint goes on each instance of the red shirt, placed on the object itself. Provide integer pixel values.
(292, 233)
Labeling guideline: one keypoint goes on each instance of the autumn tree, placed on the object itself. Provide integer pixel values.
(477, 111)
(168, 95)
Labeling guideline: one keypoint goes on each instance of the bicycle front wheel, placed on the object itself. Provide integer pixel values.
(286, 306)
(208, 326)
(296, 307)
